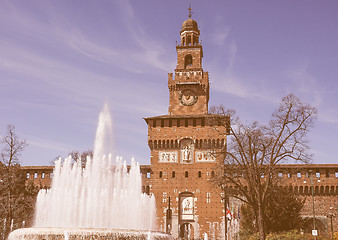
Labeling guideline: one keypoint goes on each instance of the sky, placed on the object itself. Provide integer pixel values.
(60, 61)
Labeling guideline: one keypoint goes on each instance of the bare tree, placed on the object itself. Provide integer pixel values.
(12, 147)
(17, 199)
(77, 156)
(82, 157)
(254, 151)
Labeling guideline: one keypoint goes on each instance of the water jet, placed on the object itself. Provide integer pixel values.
(102, 200)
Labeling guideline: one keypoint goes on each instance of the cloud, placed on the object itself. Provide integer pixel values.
(225, 79)
(329, 116)
(219, 37)
(306, 84)
(49, 145)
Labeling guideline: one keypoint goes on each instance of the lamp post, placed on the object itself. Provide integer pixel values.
(314, 231)
(313, 204)
(331, 215)
(169, 218)
(225, 213)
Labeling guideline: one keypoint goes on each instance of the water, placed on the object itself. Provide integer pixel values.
(104, 194)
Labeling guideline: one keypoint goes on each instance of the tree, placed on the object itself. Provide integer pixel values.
(12, 147)
(254, 152)
(282, 212)
(77, 156)
(17, 200)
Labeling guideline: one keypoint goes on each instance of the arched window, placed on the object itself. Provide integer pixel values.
(199, 174)
(327, 190)
(187, 61)
(173, 174)
(316, 190)
(186, 174)
(188, 41)
(332, 190)
(160, 175)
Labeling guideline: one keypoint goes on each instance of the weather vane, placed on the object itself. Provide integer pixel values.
(190, 12)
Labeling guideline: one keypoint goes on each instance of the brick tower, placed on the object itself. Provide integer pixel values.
(182, 145)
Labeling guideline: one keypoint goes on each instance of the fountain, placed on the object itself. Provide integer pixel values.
(103, 200)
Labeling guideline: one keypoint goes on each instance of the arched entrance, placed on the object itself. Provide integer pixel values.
(308, 225)
(186, 231)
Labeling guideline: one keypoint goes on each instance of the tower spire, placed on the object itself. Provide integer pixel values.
(190, 12)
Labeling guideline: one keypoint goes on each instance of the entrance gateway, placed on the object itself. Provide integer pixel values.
(182, 144)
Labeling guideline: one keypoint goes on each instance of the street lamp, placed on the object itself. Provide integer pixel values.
(331, 215)
(225, 213)
(169, 218)
(314, 231)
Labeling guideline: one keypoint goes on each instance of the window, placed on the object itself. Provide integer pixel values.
(199, 174)
(28, 175)
(194, 122)
(187, 61)
(36, 175)
(202, 122)
(318, 174)
(170, 122)
(154, 123)
(160, 175)
(289, 175)
(208, 197)
(327, 173)
(186, 174)
(173, 174)
(164, 199)
(262, 175)
(336, 173)
(188, 40)
(299, 175)
(51, 175)
(148, 174)
(212, 174)
(43, 175)
(280, 175)
(162, 122)
(178, 122)
(222, 197)
(186, 123)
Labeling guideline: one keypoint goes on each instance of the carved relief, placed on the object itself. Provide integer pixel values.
(168, 156)
(187, 208)
(204, 156)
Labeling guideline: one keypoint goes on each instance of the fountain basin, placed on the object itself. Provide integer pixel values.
(84, 234)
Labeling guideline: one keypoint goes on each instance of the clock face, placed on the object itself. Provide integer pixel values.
(188, 97)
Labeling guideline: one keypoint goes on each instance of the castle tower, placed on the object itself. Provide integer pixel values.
(182, 145)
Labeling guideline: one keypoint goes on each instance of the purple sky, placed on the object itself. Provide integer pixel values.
(61, 60)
